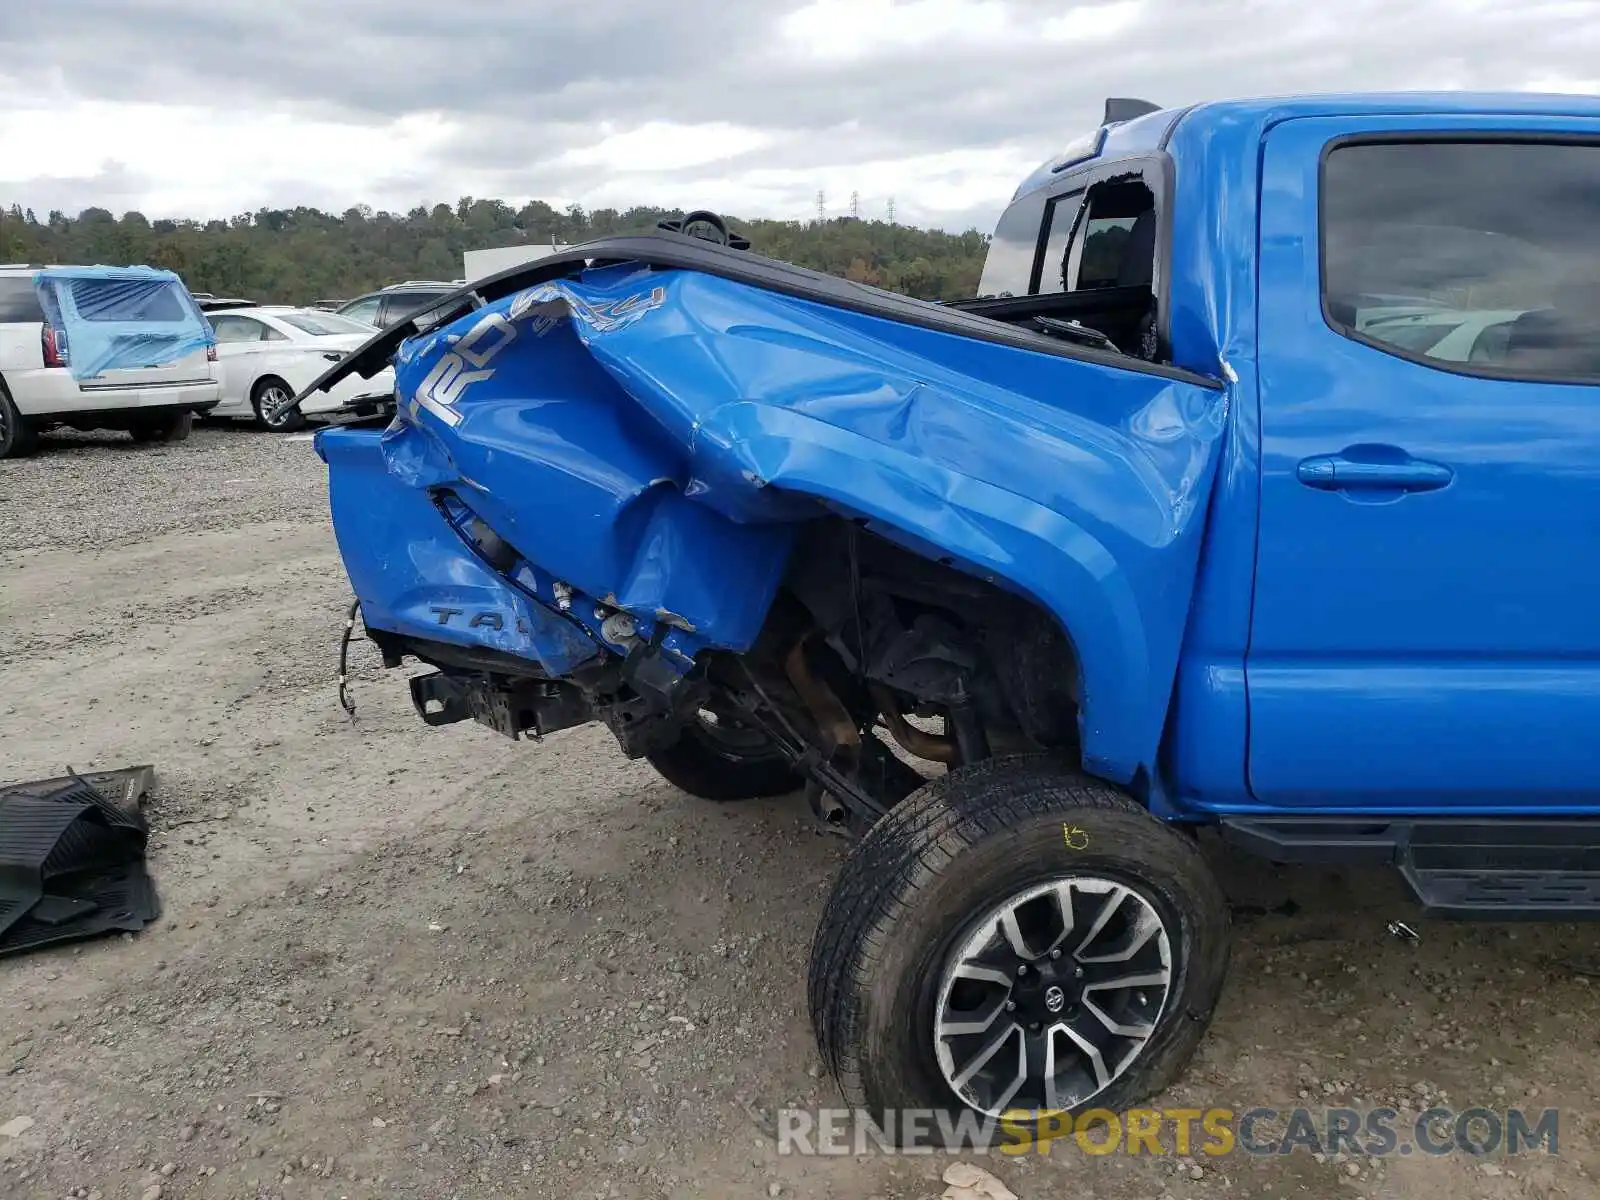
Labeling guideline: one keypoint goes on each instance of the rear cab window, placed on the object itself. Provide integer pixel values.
(1471, 255)
(1061, 217)
(1008, 268)
(1115, 244)
(1089, 248)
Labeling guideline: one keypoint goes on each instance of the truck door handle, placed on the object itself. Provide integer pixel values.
(1383, 468)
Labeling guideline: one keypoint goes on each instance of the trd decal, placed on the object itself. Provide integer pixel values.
(467, 363)
(605, 317)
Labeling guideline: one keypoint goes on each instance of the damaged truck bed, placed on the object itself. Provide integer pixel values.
(657, 482)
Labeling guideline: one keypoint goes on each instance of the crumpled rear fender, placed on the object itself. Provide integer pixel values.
(652, 437)
(416, 576)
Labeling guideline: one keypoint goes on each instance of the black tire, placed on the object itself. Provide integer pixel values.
(266, 395)
(925, 877)
(162, 427)
(18, 436)
(738, 765)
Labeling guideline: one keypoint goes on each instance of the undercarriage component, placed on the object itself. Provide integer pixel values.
(509, 707)
(719, 757)
(650, 703)
(913, 740)
(841, 740)
(345, 702)
(826, 808)
(864, 803)
(863, 633)
(923, 639)
(972, 744)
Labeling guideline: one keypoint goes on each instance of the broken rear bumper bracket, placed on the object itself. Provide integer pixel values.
(512, 708)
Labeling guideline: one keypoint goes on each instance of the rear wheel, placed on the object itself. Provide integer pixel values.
(719, 758)
(161, 427)
(269, 394)
(1016, 938)
(17, 434)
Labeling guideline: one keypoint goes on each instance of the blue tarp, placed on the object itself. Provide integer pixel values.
(119, 318)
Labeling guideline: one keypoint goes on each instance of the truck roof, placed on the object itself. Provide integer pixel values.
(1146, 133)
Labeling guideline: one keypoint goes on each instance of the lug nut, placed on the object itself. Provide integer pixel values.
(1077, 972)
(1011, 1006)
(1055, 954)
(1022, 969)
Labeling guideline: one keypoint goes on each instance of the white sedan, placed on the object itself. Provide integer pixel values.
(266, 354)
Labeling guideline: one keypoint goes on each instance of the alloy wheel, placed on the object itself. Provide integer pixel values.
(1053, 996)
(271, 398)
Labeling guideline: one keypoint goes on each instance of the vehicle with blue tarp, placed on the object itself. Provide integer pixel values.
(101, 348)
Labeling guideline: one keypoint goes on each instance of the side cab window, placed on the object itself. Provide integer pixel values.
(1430, 253)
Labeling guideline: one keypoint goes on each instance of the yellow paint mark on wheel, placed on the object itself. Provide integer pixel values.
(1077, 838)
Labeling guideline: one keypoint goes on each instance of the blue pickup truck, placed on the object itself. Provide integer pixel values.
(1258, 491)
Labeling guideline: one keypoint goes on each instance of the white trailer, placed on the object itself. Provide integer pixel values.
(476, 264)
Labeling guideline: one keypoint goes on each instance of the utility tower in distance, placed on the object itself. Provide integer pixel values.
(822, 205)
(855, 206)
(890, 207)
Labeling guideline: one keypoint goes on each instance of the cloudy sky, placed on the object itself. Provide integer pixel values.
(211, 107)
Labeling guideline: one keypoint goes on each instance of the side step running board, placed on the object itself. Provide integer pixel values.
(1482, 869)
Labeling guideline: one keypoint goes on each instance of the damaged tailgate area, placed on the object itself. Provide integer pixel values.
(670, 485)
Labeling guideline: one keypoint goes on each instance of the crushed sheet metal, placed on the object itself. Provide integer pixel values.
(657, 435)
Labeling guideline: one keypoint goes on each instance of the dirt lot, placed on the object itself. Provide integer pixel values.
(413, 962)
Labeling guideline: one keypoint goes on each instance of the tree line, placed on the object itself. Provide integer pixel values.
(302, 255)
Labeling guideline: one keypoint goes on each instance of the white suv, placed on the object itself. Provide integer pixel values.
(39, 390)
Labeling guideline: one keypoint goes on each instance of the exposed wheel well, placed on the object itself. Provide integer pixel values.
(869, 642)
(937, 637)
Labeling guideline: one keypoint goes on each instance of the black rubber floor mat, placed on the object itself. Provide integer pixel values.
(30, 827)
(72, 858)
(124, 790)
(123, 899)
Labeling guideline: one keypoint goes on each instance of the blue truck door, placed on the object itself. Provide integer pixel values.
(1425, 627)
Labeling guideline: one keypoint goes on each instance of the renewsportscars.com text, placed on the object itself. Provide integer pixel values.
(1371, 1132)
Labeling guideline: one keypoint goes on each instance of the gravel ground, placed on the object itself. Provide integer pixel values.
(434, 963)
